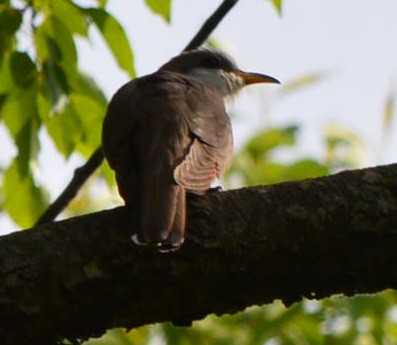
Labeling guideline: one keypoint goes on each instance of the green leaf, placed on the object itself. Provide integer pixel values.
(28, 144)
(19, 113)
(161, 7)
(6, 79)
(305, 168)
(115, 37)
(18, 107)
(17, 70)
(90, 114)
(57, 54)
(107, 174)
(44, 106)
(388, 113)
(10, 21)
(2, 100)
(264, 172)
(344, 148)
(269, 139)
(56, 83)
(23, 69)
(102, 3)
(65, 129)
(277, 5)
(78, 125)
(54, 43)
(70, 15)
(303, 81)
(256, 165)
(24, 200)
(87, 86)
(118, 336)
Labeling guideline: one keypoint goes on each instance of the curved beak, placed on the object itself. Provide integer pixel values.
(253, 78)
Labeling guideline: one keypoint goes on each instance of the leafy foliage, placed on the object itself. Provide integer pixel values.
(388, 117)
(361, 320)
(160, 7)
(303, 82)
(257, 162)
(277, 5)
(114, 35)
(43, 89)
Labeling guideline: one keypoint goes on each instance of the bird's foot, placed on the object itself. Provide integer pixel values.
(214, 189)
(166, 246)
(206, 191)
(172, 243)
(139, 243)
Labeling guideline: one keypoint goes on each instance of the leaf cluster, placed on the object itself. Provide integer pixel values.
(42, 89)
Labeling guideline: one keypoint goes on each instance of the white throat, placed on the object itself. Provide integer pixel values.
(225, 83)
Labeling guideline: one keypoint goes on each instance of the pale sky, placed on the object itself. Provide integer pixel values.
(352, 41)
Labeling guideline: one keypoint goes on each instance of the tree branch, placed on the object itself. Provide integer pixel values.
(82, 173)
(80, 176)
(210, 24)
(78, 277)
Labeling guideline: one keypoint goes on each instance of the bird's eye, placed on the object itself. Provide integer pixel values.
(211, 62)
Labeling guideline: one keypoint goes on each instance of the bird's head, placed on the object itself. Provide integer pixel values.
(214, 69)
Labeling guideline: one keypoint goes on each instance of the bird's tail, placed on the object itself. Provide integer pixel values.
(163, 211)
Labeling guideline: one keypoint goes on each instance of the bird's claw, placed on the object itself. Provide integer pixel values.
(136, 241)
(165, 246)
(214, 189)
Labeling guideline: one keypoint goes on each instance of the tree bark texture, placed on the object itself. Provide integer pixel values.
(314, 238)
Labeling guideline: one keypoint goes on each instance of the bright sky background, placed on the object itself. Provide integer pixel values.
(352, 41)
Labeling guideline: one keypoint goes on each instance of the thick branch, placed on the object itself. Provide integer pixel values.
(318, 237)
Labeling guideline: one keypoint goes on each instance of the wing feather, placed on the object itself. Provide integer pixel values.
(211, 149)
(170, 126)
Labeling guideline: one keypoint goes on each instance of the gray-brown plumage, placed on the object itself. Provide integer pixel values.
(168, 133)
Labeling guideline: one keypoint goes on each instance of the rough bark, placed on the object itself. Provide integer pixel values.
(81, 276)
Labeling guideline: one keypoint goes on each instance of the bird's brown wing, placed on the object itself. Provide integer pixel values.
(211, 149)
(141, 142)
(162, 134)
(120, 119)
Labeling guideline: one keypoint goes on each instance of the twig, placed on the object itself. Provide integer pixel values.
(210, 24)
(82, 173)
(80, 176)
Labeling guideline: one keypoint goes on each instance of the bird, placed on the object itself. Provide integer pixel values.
(167, 134)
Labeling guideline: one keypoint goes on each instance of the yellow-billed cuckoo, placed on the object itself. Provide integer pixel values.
(168, 133)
